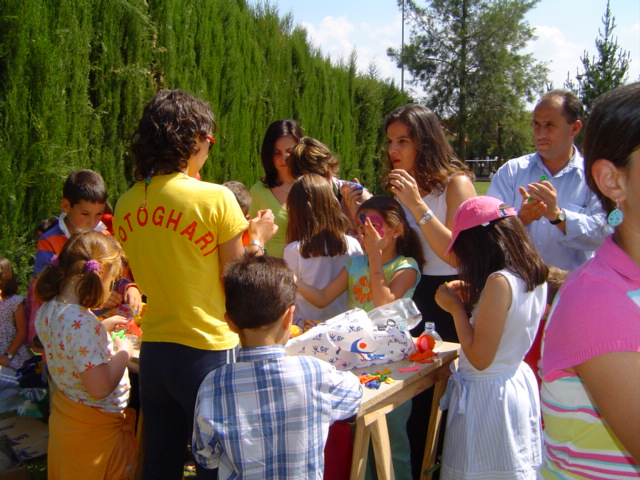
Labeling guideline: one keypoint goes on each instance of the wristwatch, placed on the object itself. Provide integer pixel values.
(561, 218)
(426, 216)
(9, 356)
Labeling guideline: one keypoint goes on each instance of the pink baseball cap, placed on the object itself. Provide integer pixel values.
(478, 211)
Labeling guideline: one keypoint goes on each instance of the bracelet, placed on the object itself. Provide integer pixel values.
(426, 216)
(259, 245)
(9, 356)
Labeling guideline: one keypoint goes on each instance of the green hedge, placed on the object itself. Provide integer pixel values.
(75, 74)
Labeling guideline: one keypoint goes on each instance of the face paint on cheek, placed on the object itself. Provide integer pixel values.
(377, 224)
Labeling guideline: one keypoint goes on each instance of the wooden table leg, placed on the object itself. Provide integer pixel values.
(433, 430)
(360, 450)
(382, 449)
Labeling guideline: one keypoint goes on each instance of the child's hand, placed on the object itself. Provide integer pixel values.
(457, 286)
(448, 298)
(371, 240)
(133, 298)
(113, 301)
(115, 323)
(123, 344)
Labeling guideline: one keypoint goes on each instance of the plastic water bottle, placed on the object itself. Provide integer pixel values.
(423, 343)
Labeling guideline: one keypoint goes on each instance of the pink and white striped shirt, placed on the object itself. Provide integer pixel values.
(597, 312)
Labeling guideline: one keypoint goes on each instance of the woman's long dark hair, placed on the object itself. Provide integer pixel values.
(436, 162)
(277, 129)
(504, 243)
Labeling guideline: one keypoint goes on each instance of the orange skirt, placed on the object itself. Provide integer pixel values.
(87, 443)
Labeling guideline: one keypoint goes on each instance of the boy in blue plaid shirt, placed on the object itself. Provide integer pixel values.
(268, 415)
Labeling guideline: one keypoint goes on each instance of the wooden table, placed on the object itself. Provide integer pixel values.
(371, 419)
(371, 422)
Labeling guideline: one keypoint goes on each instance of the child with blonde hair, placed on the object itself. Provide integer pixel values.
(91, 432)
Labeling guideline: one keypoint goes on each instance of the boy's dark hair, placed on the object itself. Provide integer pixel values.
(259, 289)
(242, 195)
(8, 283)
(168, 131)
(84, 185)
(277, 129)
(504, 243)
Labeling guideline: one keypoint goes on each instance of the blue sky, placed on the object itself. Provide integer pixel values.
(565, 29)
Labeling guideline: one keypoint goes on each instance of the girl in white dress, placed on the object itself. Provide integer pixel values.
(318, 246)
(493, 424)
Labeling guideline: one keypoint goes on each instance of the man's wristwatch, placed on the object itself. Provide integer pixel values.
(561, 218)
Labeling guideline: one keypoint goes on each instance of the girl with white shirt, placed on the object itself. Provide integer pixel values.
(318, 247)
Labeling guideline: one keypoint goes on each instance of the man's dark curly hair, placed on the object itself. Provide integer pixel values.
(168, 131)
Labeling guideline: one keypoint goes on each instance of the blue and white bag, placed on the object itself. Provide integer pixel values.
(355, 339)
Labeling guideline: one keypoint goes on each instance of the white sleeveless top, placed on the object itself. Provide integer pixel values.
(434, 265)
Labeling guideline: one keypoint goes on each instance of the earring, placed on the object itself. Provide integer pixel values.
(616, 217)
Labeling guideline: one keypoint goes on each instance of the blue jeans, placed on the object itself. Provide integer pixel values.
(170, 376)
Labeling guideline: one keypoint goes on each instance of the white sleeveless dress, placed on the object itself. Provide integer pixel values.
(493, 425)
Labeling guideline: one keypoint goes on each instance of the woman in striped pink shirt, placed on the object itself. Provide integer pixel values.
(591, 346)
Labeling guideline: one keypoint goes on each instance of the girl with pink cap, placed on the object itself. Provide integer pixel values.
(493, 423)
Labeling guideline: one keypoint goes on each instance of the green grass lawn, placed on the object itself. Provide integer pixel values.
(481, 187)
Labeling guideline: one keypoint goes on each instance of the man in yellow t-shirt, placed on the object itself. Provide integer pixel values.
(178, 234)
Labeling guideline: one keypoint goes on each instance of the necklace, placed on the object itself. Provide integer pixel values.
(285, 190)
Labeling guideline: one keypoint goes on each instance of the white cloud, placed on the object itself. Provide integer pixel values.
(337, 37)
(561, 55)
(332, 36)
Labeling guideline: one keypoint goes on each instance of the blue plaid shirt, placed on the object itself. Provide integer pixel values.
(268, 415)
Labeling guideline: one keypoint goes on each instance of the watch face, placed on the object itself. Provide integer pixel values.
(562, 216)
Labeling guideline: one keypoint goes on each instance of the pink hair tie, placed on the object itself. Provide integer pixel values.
(92, 266)
(54, 260)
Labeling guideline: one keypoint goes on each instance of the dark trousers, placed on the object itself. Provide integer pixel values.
(424, 298)
(170, 376)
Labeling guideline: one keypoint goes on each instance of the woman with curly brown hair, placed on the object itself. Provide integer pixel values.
(178, 234)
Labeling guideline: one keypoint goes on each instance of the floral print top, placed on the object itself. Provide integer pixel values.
(8, 331)
(359, 289)
(75, 341)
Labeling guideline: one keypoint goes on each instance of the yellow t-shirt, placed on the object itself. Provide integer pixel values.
(172, 248)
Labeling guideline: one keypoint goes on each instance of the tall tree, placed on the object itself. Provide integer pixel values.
(467, 55)
(606, 71)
